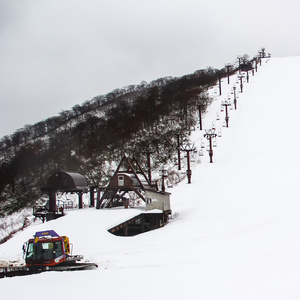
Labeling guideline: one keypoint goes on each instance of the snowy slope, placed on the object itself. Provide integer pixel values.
(235, 232)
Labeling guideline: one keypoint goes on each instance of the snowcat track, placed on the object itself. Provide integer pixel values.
(74, 267)
(23, 271)
(17, 271)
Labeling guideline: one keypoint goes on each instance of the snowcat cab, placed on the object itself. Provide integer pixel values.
(47, 248)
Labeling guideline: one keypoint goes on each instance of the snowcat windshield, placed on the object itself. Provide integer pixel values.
(44, 250)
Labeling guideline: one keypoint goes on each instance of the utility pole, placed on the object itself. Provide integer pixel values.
(147, 150)
(228, 69)
(201, 103)
(178, 151)
(240, 77)
(148, 153)
(234, 95)
(188, 148)
(226, 104)
(220, 90)
(200, 117)
(163, 173)
(210, 133)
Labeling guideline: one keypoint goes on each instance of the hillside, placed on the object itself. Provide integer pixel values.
(235, 229)
(91, 138)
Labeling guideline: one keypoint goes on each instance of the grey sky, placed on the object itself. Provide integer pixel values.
(58, 53)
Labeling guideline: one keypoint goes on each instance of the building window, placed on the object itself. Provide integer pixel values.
(120, 180)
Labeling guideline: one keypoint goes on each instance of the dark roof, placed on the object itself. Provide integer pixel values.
(67, 182)
(132, 176)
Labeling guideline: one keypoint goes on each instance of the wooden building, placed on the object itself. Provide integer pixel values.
(129, 177)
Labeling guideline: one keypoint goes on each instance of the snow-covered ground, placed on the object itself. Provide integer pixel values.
(235, 231)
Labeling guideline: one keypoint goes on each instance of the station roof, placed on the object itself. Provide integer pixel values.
(67, 182)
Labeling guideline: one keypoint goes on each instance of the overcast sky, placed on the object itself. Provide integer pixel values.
(58, 53)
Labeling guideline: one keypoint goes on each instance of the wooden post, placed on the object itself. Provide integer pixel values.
(80, 199)
(92, 196)
(52, 201)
